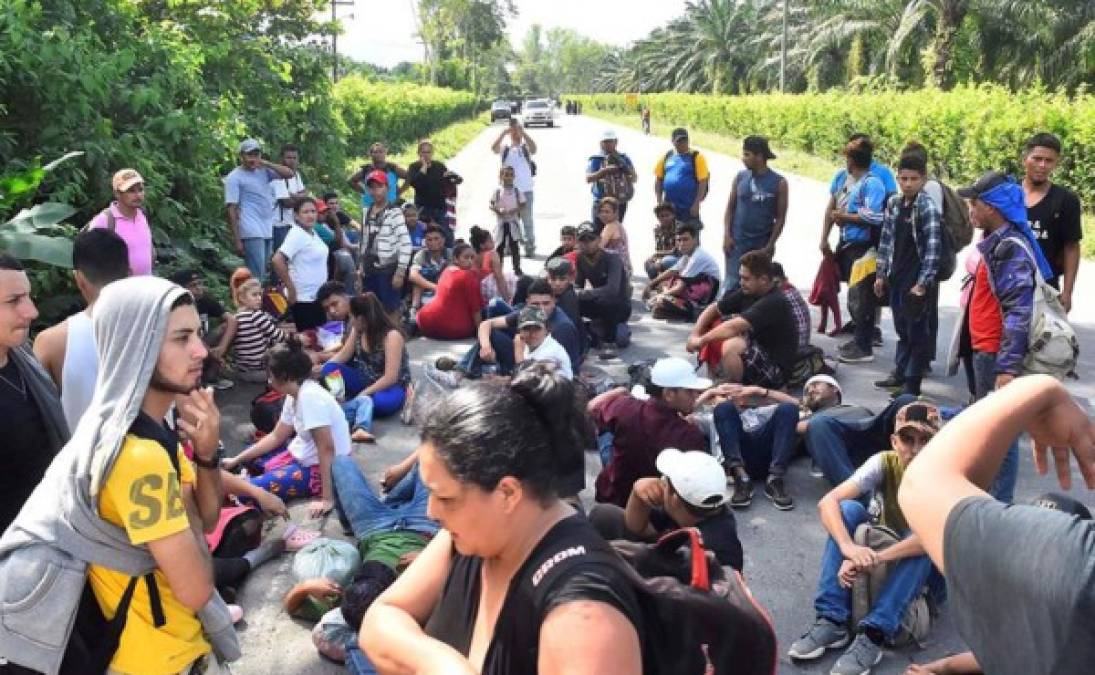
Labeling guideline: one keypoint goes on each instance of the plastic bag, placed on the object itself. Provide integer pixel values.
(427, 393)
(596, 381)
(329, 335)
(330, 558)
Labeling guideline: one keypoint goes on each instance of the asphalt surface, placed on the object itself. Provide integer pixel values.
(782, 549)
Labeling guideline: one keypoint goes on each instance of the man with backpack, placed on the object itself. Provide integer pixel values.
(516, 149)
(126, 218)
(385, 253)
(682, 178)
(756, 210)
(611, 174)
(910, 255)
(132, 526)
(848, 559)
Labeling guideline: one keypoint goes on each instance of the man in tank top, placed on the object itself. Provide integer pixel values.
(67, 350)
(757, 208)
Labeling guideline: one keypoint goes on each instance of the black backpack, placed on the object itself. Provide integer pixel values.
(266, 410)
(697, 618)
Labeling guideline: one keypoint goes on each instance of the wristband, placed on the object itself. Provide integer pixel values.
(214, 462)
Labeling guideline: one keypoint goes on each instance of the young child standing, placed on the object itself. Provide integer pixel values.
(415, 226)
(255, 332)
(506, 204)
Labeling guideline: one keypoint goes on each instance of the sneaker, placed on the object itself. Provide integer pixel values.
(447, 378)
(855, 355)
(774, 490)
(876, 337)
(221, 384)
(608, 351)
(815, 470)
(445, 363)
(743, 493)
(824, 634)
(859, 659)
(892, 381)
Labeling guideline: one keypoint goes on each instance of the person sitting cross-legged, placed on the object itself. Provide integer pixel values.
(691, 492)
(843, 559)
(749, 336)
(683, 290)
(606, 303)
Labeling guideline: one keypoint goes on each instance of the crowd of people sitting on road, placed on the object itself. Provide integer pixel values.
(118, 487)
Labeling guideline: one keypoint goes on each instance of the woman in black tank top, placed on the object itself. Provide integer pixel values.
(480, 598)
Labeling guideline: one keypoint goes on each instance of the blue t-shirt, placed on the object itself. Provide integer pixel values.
(682, 177)
(418, 233)
(755, 207)
(252, 192)
(595, 164)
(393, 186)
(866, 198)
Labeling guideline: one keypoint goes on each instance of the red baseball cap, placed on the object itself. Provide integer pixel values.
(378, 176)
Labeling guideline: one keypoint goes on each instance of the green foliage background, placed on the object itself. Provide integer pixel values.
(967, 131)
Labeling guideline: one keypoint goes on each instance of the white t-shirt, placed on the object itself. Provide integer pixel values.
(551, 350)
(307, 256)
(314, 407)
(285, 188)
(522, 170)
(700, 262)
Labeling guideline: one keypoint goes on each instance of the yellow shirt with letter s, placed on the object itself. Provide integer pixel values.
(143, 495)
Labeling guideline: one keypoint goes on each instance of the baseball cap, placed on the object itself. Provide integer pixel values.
(250, 145)
(587, 231)
(559, 267)
(609, 135)
(531, 316)
(185, 277)
(679, 132)
(986, 182)
(676, 373)
(758, 145)
(823, 379)
(125, 179)
(1063, 503)
(696, 476)
(918, 415)
(377, 176)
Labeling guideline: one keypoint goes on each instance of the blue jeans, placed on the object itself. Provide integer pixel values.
(380, 284)
(604, 447)
(839, 446)
(762, 451)
(655, 266)
(903, 583)
(403, 508)
(361, 408)
(984, 383)
(733, 259)
(526, 222)
(501, 341)
(256, 255)
(356, 661)
(915, 339)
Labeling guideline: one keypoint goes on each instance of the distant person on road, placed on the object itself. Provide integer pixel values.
(516, 149)
(842, 513)
(756, 210)
(683, 290)
(126, 218)
(427, 176)
(682, 178)
(645, 115)
(611, 174)
(385, 252)
(1053, 212)
(294, 191)
(378, 161)
(606, 303)
(507, 203)
(251, 192)
(665, 241)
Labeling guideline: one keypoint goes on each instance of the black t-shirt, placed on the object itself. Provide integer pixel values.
(428, 186)
(25, 451)
(209, 310)
(772, 321)
(719, 532)
(515, 645)
(1056, 222)
(606, 273)
(905, 264)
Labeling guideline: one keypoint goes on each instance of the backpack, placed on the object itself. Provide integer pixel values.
(809, 362)
(266, 410)
(957, 230)
(1052, 345)
(616, 185)
(916, 623)
(525, 152)
(697, 618)
(111, 224)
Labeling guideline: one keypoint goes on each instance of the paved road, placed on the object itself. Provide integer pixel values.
(782, 549)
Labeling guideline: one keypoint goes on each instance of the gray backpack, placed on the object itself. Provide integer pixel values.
(916, 624)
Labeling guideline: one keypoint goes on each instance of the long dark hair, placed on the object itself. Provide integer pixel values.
(533, 428)
(288, 362)
(478, 237)
(378, 323)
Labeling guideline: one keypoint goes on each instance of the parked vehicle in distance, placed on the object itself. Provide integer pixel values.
(499, 110)
(539, 111)
(514, 107)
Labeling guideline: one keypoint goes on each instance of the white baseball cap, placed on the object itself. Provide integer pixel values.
(676, 373)
(696, 476)
(609, 135)
(823, 379)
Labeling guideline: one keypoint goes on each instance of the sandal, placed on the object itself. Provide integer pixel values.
(296, 538)
(362, 436)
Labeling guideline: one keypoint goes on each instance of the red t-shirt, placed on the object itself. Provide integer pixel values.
(451, 314)
(986, 322)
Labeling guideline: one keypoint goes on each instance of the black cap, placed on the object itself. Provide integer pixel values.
(986, 182)
(1064, 504)
(185, 277)
(758, 145)
(587, 231)
(679, 132)
(559, 267)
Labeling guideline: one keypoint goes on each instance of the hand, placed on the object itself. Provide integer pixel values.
(322, 588)
(397, 280)
(239, 246)
(407, 558)
(650, 491)
(846, 574)
(862, 557)
(926, 669)
(392, 475)
(695, 210)
(271, 505)
(200, 420)
(218, 352)
(1061, 426)
(1004, 379)
(825, 249)
(320, 508)
(693, 345)
(918, 290)
(1066, 300)
(879, 287)
(486, 354)
(728, 244)
(291, 296)
(837, 216)
(230, 464)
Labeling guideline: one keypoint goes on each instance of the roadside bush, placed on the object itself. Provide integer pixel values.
(967, 130)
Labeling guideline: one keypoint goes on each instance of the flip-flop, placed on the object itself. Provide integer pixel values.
(296, 538)
(362, 436)
(236, 613)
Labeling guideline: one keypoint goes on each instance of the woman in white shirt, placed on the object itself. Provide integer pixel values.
(301, 263)
(301, 466)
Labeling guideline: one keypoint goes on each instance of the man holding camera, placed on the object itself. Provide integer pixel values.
(516, 148)
(611, 174)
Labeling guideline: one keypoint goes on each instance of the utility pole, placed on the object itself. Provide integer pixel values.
(335, 4)
(783, 52)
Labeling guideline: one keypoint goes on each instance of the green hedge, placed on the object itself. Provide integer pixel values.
(967, 130)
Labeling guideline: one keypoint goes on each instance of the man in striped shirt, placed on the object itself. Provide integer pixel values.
(385, 245)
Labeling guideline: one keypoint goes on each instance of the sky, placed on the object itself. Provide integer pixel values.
(382, 33)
